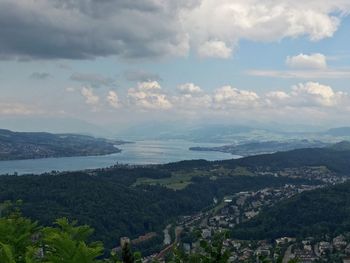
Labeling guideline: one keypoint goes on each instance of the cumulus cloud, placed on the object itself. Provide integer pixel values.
(307, 95)
(228, 21)
(303, 95)
(214, 49)
(229, 97)
(90, 97)
(86, 29)
(191, 97)
(316, 94)
(113, 99)
(277, 95)
(303, 61)
(189, 88)
(148, 95)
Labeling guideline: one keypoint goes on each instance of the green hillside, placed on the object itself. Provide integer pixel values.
(32, 145)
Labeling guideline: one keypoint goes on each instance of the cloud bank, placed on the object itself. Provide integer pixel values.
(86, 29)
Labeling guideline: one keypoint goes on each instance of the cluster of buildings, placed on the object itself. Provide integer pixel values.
(283, 249)
(243, 206)
(335, 249)
(246, 205)
(319, 173)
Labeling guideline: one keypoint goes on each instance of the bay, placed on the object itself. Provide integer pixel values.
(137, 153)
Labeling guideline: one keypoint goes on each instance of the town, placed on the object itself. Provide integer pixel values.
(240, 207)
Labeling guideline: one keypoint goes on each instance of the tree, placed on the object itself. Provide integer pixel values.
(18, 235)
(68, 243)
(127, 255)
(214, 252)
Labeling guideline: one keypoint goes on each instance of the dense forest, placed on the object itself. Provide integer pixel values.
(107, 201)
(319, 212)
(335, 157)
(23, 240)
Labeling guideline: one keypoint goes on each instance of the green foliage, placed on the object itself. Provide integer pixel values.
(213, 252)
(335, 160)
(23, 241)
(67, 243)
(17, 235)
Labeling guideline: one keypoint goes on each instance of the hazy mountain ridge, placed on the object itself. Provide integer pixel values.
(255, 148)
(228, 134)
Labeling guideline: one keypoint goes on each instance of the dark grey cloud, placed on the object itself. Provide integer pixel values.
(86, 29)
(141, 76)
(40, 75)
(93, 80)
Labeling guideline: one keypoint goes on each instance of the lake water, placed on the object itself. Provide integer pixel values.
(140, 152)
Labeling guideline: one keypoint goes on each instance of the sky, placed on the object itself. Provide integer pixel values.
(123, 63)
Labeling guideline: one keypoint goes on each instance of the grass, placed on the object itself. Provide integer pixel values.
(180, 180)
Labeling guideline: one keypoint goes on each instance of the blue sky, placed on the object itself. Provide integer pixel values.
(117, 63)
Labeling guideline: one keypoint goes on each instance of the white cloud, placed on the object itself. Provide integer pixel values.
(149, 95)
(149, 85)
(279, 95)
(113, 99)
(307, 95)
(303, 61)
(316, 94)
(227, 22)
(214, 49)
(189, 88)
(229, 97)
(90, 97)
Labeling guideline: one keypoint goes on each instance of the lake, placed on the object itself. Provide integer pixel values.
(140, 152)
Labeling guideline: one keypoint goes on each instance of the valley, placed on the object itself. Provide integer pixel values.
(140, 200)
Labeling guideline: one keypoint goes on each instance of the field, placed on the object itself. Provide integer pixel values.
(180, 180)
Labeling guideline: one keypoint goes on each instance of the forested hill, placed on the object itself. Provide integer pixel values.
(109, 201)
(32, 145)
(314, 213)
(335, 157)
